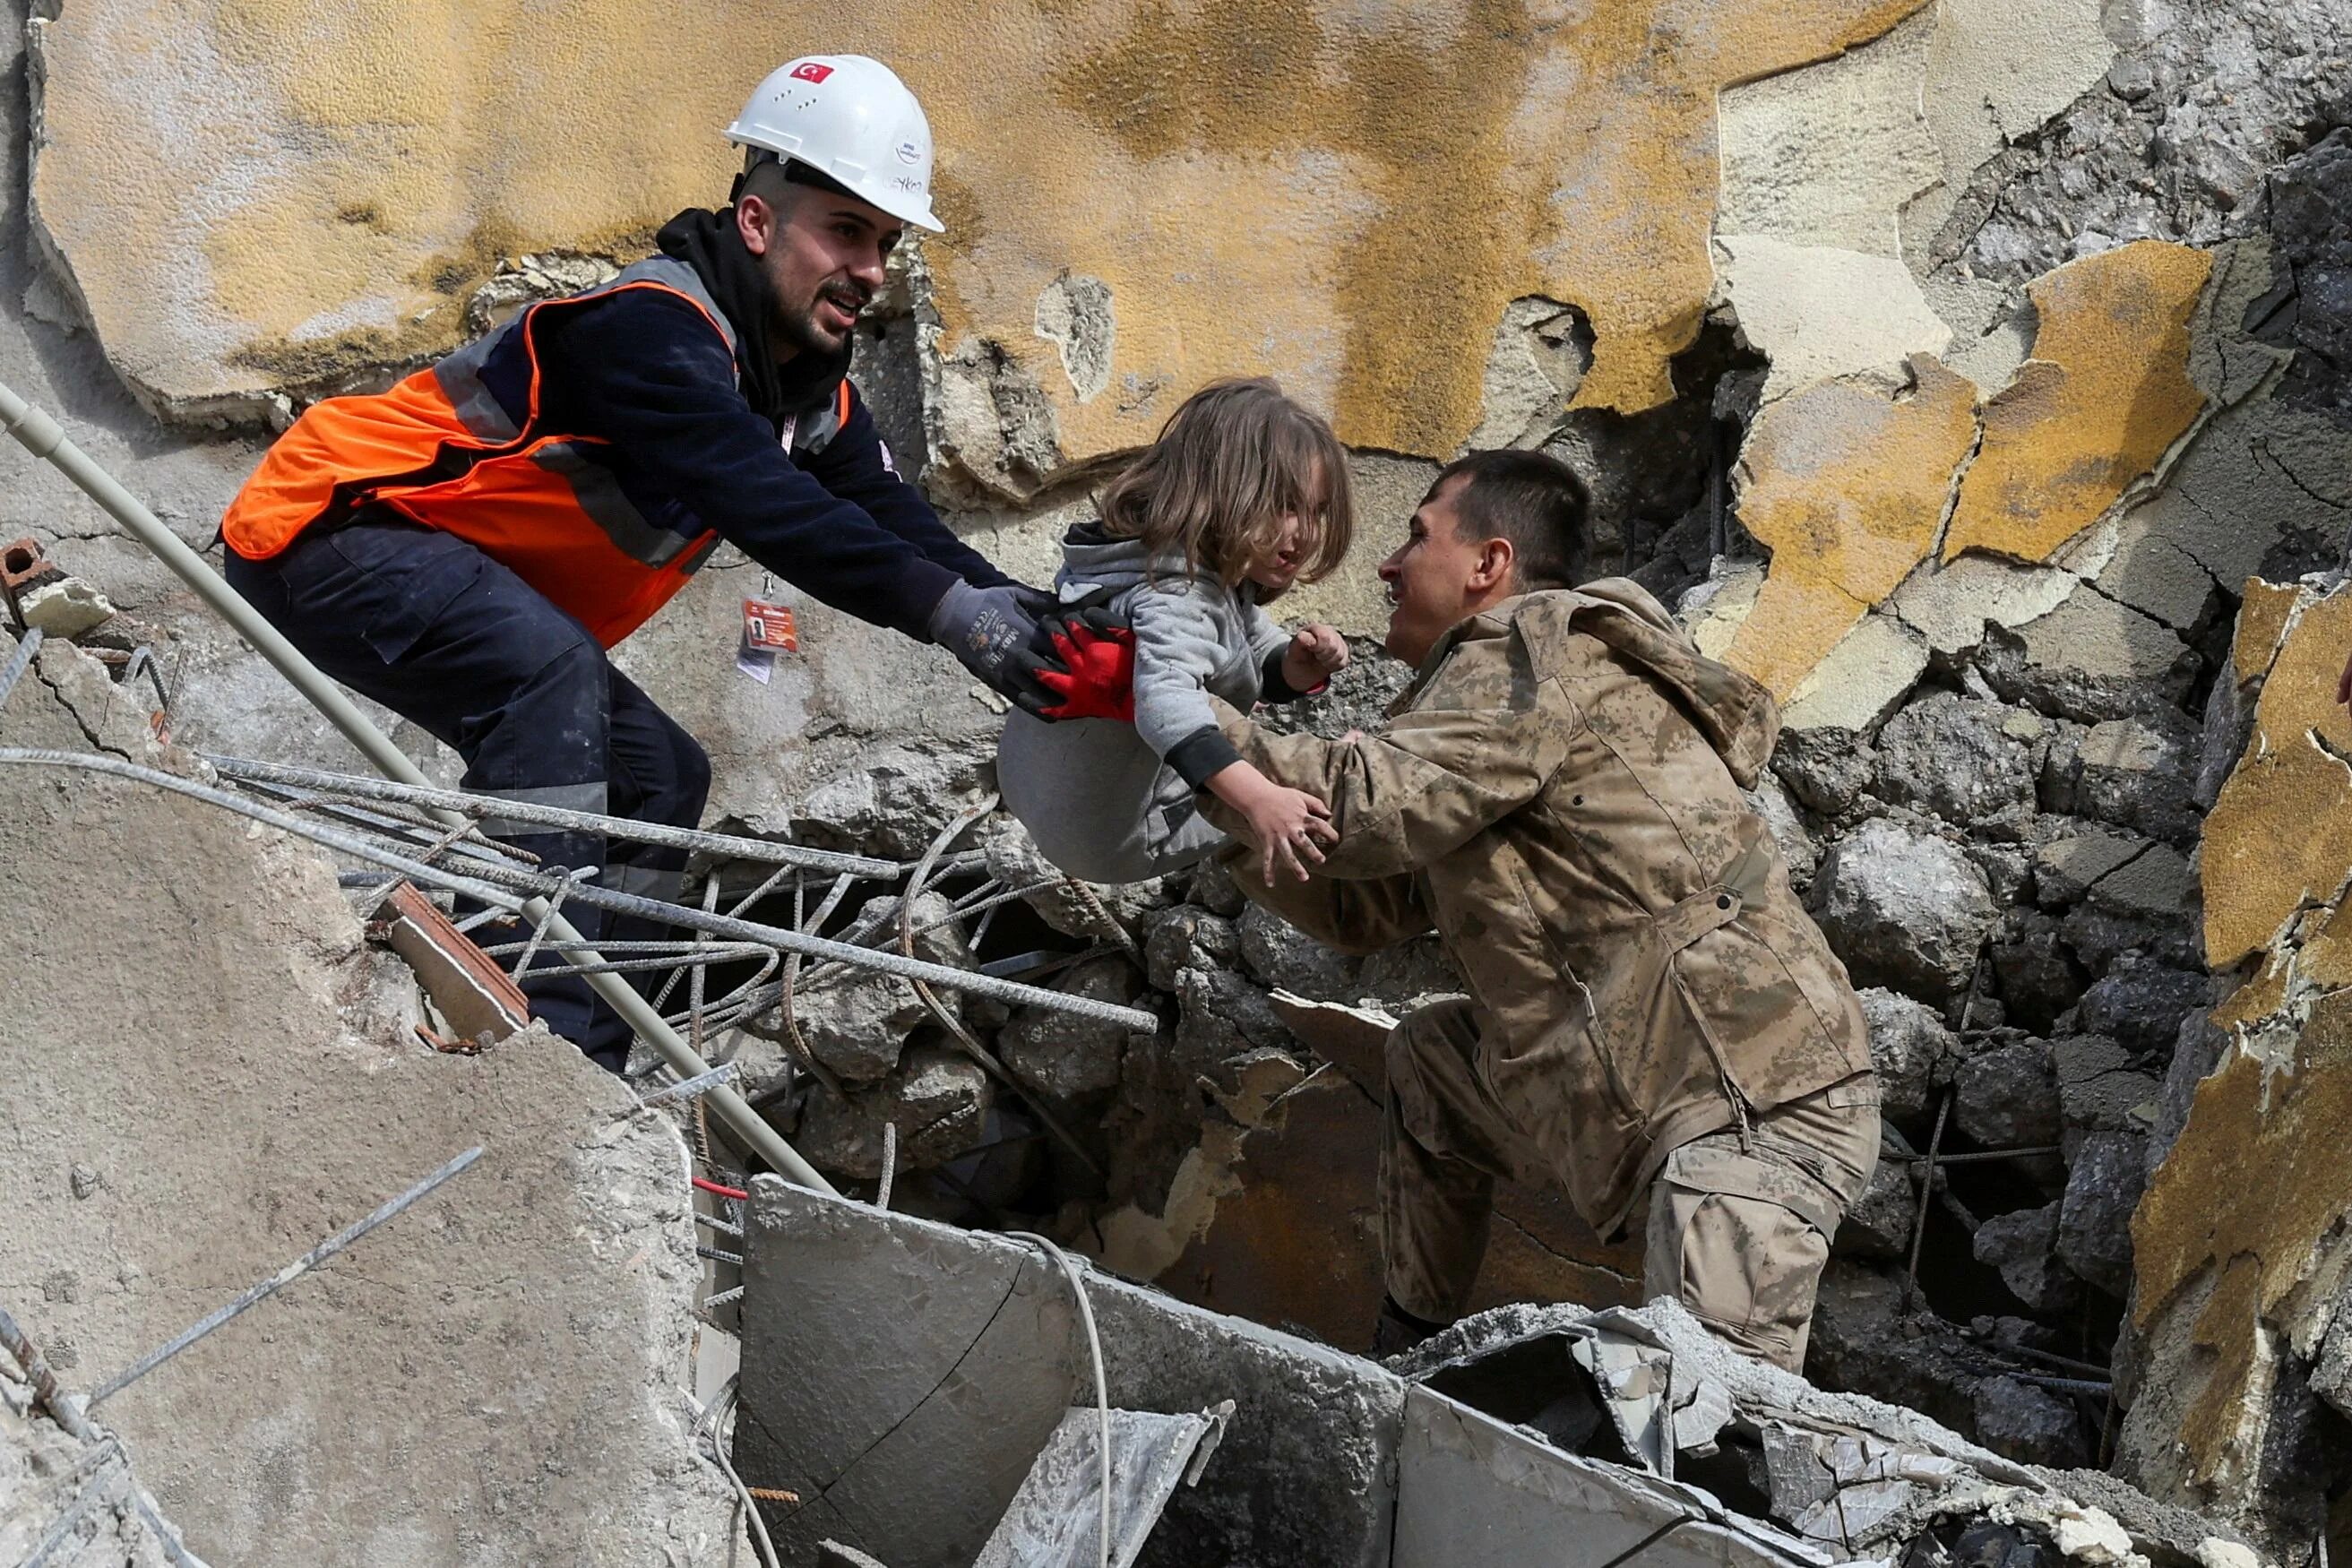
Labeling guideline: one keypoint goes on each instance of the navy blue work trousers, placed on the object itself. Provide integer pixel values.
(425, 623)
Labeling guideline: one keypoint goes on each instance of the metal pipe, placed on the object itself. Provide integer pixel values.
(42, 437)
(764, 850)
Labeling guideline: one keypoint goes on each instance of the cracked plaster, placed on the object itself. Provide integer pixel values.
(1253, 183)
(1848, 488)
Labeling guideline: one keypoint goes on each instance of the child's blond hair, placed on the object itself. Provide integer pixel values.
(1230, 464)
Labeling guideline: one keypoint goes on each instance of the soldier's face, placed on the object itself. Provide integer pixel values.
(1433, 579)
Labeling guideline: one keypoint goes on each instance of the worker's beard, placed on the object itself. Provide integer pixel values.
(815, 328)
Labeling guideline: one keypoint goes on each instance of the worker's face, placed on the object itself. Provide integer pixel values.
(1438, 578)
(824, 256)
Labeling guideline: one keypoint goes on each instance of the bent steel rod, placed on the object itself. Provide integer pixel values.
(483, 805)
(46, 439)
(512, 887)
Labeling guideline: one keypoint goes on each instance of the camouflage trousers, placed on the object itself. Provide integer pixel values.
(1737, 1233)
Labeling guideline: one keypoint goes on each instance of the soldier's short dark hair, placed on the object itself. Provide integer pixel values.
(1536, 501)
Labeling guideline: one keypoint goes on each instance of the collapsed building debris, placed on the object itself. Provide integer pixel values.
(1986, 401)
(1630, 1432)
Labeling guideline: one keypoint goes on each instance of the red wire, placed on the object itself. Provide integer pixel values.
(709, 1186)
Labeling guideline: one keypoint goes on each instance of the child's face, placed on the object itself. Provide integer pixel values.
(1296, 541)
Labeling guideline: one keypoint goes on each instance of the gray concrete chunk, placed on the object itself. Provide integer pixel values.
(864, 1329)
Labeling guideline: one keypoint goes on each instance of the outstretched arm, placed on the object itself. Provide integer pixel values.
(1475, 746)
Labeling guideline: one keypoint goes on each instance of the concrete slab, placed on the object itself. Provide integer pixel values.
(207, 1077)
(1475, 1493)
(859, 1324)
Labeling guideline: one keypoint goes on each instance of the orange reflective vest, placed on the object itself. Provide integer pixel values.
(441, 449)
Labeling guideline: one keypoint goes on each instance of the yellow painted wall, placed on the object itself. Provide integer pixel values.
(1344, 194)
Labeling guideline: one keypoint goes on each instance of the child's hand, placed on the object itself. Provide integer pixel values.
(1316, 654)
(1288, 825)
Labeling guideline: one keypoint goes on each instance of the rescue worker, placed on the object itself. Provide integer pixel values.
(1654, 1022)
(466, 547)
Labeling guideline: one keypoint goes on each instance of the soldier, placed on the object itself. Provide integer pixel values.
(1654, 1020)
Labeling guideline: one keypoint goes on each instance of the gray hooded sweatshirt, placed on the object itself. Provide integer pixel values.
(1112, 802)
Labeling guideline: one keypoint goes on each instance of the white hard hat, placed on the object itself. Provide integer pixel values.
(851, 120)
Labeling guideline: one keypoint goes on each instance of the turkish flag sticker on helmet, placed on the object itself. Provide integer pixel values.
(810, 70)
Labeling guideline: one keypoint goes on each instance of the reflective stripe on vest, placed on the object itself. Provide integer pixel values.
(441, 451)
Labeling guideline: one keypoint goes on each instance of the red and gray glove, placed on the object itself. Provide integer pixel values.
(1057, 661)
(1095, 654)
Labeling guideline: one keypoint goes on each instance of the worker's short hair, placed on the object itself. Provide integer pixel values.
(1531, 499)
(794, 172)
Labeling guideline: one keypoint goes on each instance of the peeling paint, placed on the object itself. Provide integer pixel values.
(1847, 487)
(1347, 199)
(2106, 394)
(2281, 834)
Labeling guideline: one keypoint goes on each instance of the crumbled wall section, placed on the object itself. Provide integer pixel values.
(1850, 488)
(1349, 197)
(1847, 489)
(2280, 836)
(2239, 1242)
(208, 1075)
(2106, 394)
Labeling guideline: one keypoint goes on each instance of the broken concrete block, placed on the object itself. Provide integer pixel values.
(1962, 760)
(2090, 659)
(2098, 1089)
(2139, 773)
(2024, 1247)
(1910, 1047)
(906, 1433)
(1952, 607)
(2156, 886)
(2066, 868)
(855, 1021)
(2027, 1423)
(287, 1099)
(938, 1098)
(893, 802)
(1090, 910)
(1055, 1519)
(2008, 1095)
(2035, 969)
(2141, 1007)
(1769, 800)
(1187, 937)
(2105, 1178)
(1827, 770)
(1878, 1223)
(1859, 682)
(63, 607)
(1278, 954)
(1065, 1058)
(1475, 1492)
(1904, 908)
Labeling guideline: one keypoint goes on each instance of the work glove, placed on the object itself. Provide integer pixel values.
(998, 638)
(1095, 657)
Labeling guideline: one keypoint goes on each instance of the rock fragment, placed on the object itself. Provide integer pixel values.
(1962, 759)
(1904, 908)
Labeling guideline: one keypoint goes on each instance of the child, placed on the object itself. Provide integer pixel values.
(1244, 494)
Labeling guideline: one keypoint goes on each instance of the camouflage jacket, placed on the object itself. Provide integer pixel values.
(1557, 795)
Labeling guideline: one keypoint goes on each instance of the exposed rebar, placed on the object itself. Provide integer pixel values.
(723, 1073)
(46, 439)
(22, 662)
(521, 890)
(278, 1281)
(727, 845)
